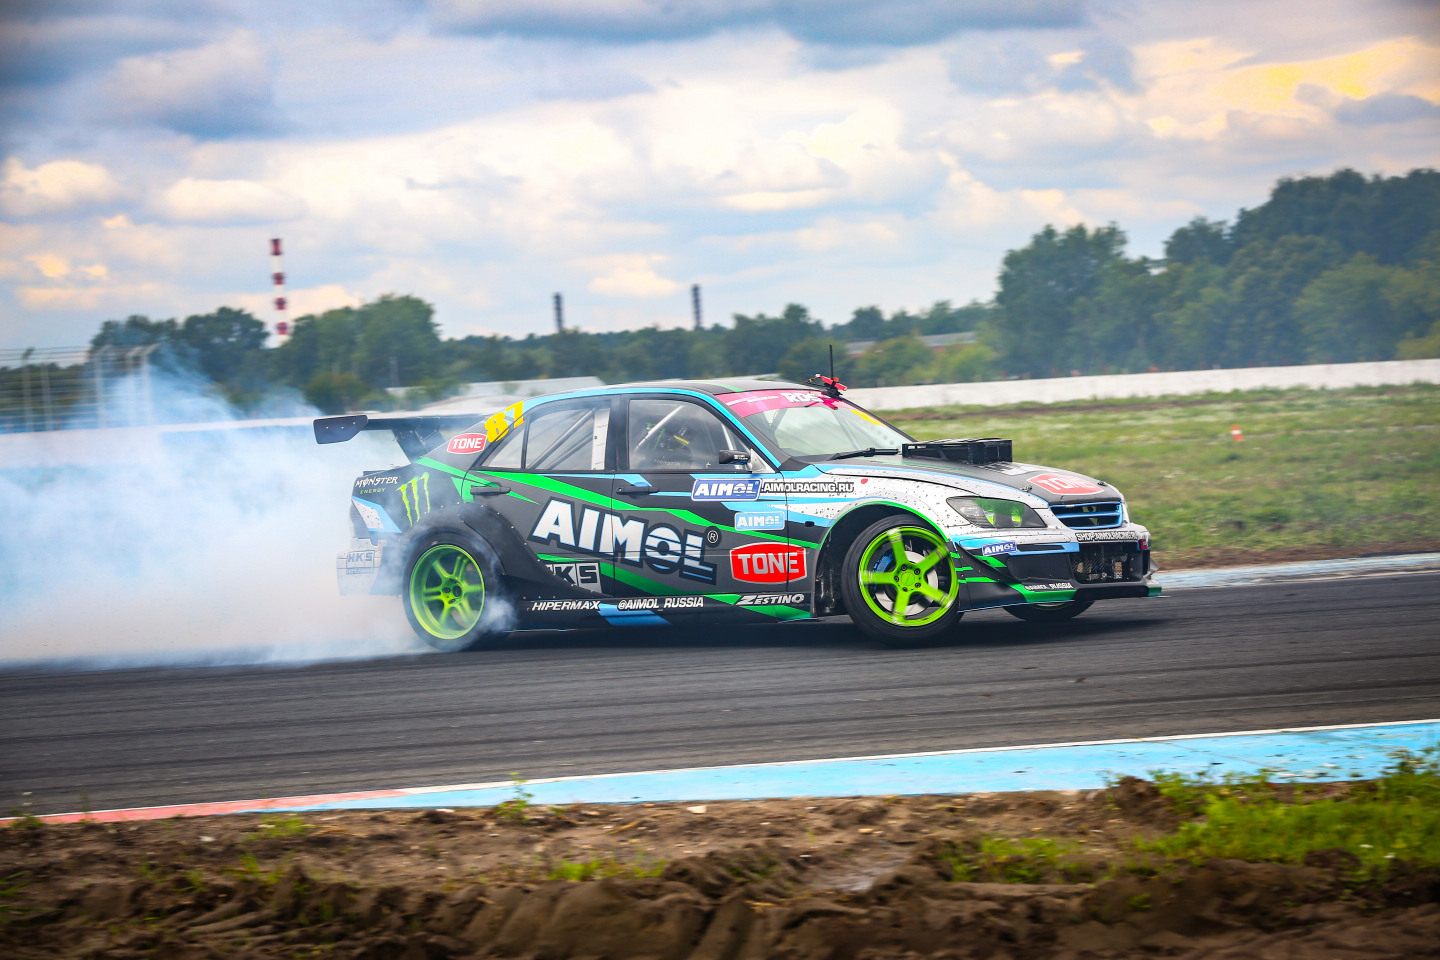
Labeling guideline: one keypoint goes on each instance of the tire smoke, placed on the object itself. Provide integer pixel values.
(185, 544)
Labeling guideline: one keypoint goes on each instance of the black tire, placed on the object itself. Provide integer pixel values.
(1049, 612)
(899, 561)
(449, 589)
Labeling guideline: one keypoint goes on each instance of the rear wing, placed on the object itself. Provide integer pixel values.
(416, 435)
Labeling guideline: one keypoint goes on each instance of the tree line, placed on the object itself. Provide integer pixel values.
(1329, 269)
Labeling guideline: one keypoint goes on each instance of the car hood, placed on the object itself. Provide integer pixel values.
(1047, 483)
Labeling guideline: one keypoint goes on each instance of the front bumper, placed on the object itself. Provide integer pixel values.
(1074, 565)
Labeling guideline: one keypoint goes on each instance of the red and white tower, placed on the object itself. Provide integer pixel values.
(277, 278)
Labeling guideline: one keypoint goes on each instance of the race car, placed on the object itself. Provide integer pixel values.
(742, 500)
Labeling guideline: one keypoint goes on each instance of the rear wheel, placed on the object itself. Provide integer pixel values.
(448, 588)
(1050, 612)
(898, 582)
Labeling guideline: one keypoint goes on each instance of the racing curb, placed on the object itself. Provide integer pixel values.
(1312, 754)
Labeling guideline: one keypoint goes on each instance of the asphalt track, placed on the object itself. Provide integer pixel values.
(1359, 650)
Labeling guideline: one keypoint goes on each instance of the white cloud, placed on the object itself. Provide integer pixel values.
(219, 90)
(629, 275)
(60, 186)
(228, 201)
(483, 173)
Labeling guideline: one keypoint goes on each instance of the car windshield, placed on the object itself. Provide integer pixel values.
(807, 423)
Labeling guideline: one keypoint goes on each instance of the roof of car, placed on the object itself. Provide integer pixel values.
(712, 387)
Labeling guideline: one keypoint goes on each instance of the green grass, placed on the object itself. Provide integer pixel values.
(998, 859)
(288, 826)
(517, 808)
(1324, 472)
(1391, 819)
(598, 867)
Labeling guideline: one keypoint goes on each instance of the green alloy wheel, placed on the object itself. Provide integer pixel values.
(898, 582)
(445, 594)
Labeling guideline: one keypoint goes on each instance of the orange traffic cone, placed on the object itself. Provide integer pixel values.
(1235, 433)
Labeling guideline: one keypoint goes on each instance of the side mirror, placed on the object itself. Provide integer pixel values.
(741, 457)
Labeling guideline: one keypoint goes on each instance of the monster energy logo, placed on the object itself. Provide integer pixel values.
(410, 494)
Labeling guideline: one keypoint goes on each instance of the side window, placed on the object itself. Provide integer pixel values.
(505, 453)
(567, 437)
(676, 435)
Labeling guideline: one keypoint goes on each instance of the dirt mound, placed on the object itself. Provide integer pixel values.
(1017, 876)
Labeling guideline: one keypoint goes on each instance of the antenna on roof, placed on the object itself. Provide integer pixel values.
(830, 385)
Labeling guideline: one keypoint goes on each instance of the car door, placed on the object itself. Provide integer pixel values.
(554, 487)
(690, 497)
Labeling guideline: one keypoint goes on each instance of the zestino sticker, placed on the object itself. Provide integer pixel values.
(771, 600)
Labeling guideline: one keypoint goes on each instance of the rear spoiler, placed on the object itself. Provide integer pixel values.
(416, 435)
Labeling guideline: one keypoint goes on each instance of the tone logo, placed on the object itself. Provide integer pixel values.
(1064, 484)
(767, 563)
(466, 443)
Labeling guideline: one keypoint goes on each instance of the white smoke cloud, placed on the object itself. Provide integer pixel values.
(184, 546)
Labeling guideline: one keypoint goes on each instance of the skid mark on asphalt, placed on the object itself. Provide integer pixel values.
(1301, 754)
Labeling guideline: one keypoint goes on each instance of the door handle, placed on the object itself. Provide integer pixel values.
(631, 490)
(493, 490)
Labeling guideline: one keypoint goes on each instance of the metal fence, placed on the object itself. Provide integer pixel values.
(60, 388)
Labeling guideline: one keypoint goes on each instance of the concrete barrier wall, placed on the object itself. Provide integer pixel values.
(999, 392)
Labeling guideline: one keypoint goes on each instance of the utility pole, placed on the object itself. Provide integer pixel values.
(559, 314)
(695, 303)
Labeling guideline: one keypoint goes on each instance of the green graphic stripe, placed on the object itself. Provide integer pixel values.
(465, 483)
(573, 492)
(640, 582)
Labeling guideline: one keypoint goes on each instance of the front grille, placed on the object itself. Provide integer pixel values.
(1090, 516)
(1055, 566)
(1111, 563)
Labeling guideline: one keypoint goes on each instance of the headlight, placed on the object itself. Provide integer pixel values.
(995, 514)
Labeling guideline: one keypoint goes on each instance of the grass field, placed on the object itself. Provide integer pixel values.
(1320, 473)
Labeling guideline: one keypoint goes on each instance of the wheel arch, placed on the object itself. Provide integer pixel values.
(503, 545)
(837, 540)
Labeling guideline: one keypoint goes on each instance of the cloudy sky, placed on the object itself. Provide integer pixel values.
(483, 154)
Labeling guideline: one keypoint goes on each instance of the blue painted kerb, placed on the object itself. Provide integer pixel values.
(1309, 754)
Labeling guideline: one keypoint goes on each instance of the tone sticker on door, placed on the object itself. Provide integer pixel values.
(767, 563)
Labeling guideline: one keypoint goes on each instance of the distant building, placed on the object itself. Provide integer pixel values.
(935, 341)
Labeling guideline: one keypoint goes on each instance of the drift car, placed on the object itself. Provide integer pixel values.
(732, 501)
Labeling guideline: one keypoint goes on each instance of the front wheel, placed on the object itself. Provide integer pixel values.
(898, 583)
(1050, 612)
(449, 589)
